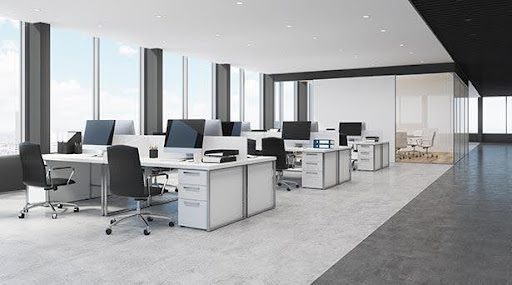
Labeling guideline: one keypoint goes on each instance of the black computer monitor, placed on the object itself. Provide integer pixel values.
(351, 129)
(99, 132)
(185, 136)
(231, 129)
(299, 131)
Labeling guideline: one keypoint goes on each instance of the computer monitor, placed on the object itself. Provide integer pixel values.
(231, 129)
(351, 129)
(314, 127)
(99, 132)
(297, 131)
(213, 128)
(124, 127)
(246, 126)
(184, 136)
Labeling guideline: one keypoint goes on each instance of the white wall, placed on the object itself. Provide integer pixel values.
(370, 100)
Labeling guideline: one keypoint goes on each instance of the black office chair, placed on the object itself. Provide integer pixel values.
(127, 180)
(37, 174)
(275, 147)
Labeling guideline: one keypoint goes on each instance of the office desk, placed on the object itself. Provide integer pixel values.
(210, 195)
(325, 168)
(372, 156)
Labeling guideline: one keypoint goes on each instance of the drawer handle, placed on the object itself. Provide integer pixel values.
(195, 189)
(311, 154)
(191, 204)
(311, 172)
(191, 173)
(311, 163)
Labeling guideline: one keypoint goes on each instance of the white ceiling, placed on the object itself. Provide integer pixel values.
(324, 34)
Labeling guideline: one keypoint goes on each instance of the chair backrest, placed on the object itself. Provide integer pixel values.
(275, 147)
(126, 178)
(400, 140)
(427, 138)
(251, 147)
(34, 171)
(343, 140)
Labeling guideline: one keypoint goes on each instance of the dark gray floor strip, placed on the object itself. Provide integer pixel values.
(457, 231)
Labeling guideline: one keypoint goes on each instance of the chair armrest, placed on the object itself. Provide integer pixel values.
(50, 169)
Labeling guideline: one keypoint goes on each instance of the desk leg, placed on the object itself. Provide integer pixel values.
(104, 191)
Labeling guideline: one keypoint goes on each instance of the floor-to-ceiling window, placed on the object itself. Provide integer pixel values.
(494, 115)
(119, 81)
(235, 97)
(71, 84)
(473, 115)
(288, 101)
(199, 89)
(252, 108)
(10, 95)
(172, 87)
(277, 105)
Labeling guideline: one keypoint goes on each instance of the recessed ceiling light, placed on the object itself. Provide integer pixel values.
(249, 44)
(315, 37)
(217, 35)
(422, 61)
(366, 17)
(411, 52)
(164, 42)
(402, 45)
(468, 19)
(239, 3)
(36, 10)
(159, 16)
(289, 26)
(383, 30)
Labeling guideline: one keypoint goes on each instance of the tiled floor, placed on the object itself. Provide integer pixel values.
(457, 231)
(293, 244)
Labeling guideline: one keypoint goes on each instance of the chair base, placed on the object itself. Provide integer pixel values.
(289, 184)
(47, 204)
(144, 217)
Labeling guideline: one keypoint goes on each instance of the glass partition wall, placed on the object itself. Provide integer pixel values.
(432, 118)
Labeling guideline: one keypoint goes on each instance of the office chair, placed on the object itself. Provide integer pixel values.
(414, 141)
(37, 174)
(427, 142)
(251, 147)
(127, 180)
(275, 147)
(400, 143)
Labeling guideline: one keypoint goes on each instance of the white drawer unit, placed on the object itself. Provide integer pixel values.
(193, 213)
(312, 157)
(312, 179)
(372, 156)
(194, 192)
(320, 169)
(312, 166)
(193, 177)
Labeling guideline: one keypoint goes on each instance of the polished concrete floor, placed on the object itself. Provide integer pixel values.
(457, 231)
(308, 232)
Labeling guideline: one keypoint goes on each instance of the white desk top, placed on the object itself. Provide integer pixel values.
(317, 150)
(157, 162)
(371, 143)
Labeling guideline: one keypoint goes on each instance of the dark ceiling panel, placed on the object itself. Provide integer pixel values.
(478, 36)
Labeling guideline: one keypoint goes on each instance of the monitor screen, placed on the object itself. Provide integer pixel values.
(184, 133)
(99, 132)
(351, 129)
(231, 129)
(213, 128)
(296, 131)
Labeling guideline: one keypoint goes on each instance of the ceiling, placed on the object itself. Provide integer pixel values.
(477, 34)
(270, 36)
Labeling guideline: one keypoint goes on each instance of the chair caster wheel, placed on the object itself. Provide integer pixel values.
(108, 231)
(171, 224)
(150, 219)
(279, 184)
(54, 216)
(297, 186)
(288, 189)
(147, 232)
(59, 206)
(112, 221)
(176, 190)
(76, 209)
(21, 215)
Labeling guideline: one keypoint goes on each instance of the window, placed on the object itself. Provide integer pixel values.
(119, 82)
(199, 89)
(494, 115)
(235, 112)
(289, 101)
(172, 87)
(71, 84)
(10, 93)
(252, 99)
(473, 115)
(277, 105)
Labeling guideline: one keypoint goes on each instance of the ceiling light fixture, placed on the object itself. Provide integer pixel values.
(383, 30)
(36, 10)
(164, 42)
(100, 26)
(315, 37)
(289, 26)
(249, 44)
(239, 3)
(468, 19)
(159, 16)
(411, 52)
(366, 17)
(402, 45)
(217, 35)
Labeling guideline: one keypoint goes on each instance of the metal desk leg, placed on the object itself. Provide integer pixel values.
(104, 191)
